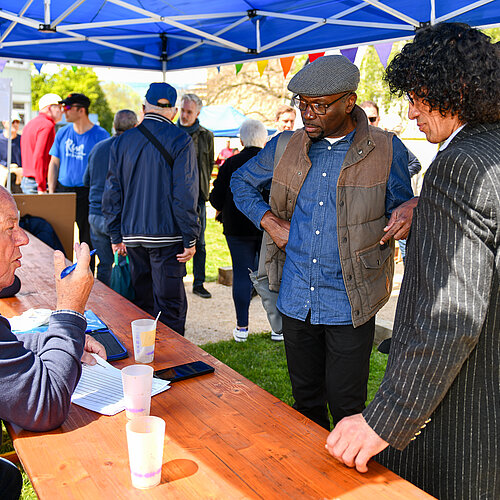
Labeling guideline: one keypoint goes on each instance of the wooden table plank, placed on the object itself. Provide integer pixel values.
(225, 436)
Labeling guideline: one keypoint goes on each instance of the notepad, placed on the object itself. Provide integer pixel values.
(100, 388)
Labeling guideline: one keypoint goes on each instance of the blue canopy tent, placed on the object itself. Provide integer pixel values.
(222, 120)
(154, 34)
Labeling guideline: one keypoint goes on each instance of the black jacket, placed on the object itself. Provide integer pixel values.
(221, 197)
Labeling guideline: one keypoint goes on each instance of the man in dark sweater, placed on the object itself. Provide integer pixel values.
(38, 372)
(204, 144)
(94, 178)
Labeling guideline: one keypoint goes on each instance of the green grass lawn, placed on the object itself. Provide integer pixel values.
(259, 359)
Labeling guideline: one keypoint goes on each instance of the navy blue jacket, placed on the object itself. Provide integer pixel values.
(146, 201)
(96, 172)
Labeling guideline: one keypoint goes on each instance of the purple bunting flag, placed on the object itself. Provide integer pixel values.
(383, 51)
(2, 65)
(350, 53)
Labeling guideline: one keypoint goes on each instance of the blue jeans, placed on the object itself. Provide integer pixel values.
(402, 249)
(11, 481)
(29, 186)
(201, 254)
(102, 243)
(244, 256)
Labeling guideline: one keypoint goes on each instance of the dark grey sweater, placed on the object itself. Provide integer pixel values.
(39, 372)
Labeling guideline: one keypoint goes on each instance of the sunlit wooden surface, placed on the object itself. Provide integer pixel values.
(225, 436)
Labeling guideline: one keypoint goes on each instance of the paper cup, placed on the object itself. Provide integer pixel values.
(145, 439)
(144, 333)
(137, 381)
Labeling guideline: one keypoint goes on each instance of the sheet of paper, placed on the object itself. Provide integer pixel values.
(100, 388)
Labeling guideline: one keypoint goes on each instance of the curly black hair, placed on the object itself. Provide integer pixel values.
(454, 68)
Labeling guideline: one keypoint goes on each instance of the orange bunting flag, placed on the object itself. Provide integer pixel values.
(286, 64)
(238, 67)
(261, 66)
(313, 57)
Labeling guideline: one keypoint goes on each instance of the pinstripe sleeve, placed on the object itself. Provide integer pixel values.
(445, 294)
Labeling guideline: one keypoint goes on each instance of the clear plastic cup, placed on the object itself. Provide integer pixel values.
(144, 333)
(137, 381)
(145, 439)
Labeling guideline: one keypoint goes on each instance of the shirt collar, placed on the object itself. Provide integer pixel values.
(447, 142)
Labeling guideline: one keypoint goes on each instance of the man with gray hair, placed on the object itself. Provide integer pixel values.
(94, 178)
(149, 202)
(332, 192)
(204, 144)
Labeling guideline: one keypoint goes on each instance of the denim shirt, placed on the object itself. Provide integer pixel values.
(312, 276)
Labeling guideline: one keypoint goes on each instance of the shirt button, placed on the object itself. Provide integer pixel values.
(312, 289)
(324, 174)
(356, 313)
(320, 203)
(349, 278)
(314, 261)
(299, 173)
(317, 232)
(341, 203)
(360, 152)
(344, 239)
(329, 147)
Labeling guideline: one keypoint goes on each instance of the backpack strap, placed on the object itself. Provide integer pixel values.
(156, 143)
(281, 145)
(283, 140)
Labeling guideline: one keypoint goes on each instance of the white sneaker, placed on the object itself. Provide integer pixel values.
(277, 337)
(240, 335)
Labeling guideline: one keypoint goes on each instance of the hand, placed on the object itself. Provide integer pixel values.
(187, 254)
(353, 442)
(73, 290)
(278, 229)
(91, 345)
(399, 224)
(119, 247)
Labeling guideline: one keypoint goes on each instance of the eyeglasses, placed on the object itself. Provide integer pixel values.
(67, 107)
(372, 119)
(409, 98)
(316, 108)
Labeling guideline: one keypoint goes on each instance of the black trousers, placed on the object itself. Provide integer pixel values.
(11, 481)
(157, 280)
(82, 215)
(328, 365)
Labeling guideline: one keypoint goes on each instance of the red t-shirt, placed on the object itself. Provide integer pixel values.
(36, 141)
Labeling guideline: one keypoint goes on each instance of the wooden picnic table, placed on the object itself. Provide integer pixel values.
(225, 436)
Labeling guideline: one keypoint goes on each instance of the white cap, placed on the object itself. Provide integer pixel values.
(47, 100)
(15, 116)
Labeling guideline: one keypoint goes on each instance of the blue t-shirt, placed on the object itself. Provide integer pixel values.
(73, 150)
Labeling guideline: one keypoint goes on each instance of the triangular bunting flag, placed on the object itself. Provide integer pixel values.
(2, 65)
(313, 57)
(38, 67)
(74, 68)
(238, 67)
(218, 69)
(384, 51)
(286, 64)
(261, 66)
(350, 53)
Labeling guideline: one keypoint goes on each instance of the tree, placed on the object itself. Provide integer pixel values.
(81, 80)
(121, 96)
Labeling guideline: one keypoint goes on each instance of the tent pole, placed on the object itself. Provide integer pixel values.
(164, 70)
(46, 4)
(9, 140)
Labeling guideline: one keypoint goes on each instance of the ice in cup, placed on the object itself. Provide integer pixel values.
(137, 381)
(144, 333)
(145, 438)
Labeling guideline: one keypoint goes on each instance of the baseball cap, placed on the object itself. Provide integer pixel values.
(73, 98)
(159, 91)
(47, 100)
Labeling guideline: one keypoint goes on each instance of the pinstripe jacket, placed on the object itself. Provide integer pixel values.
(439, 402)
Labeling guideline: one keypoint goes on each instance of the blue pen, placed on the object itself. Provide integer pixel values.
(71, 268)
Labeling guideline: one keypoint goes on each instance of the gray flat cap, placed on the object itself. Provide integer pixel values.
(325, 76)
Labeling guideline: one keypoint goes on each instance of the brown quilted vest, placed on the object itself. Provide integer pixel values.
(367, 268)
